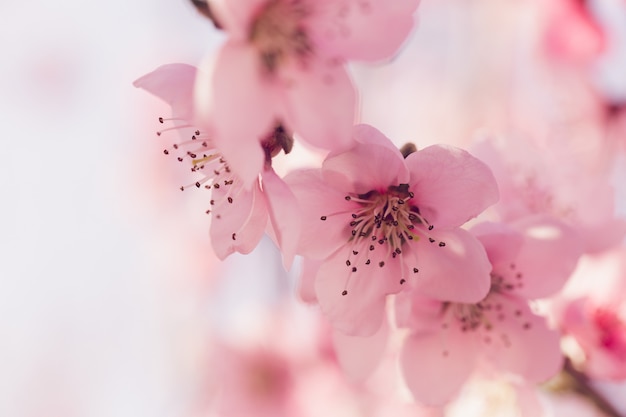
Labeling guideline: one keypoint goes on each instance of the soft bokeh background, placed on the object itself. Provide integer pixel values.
(105, 267)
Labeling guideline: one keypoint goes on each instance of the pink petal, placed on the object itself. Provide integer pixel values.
(172, 83)
(284, 215)
(360, 356)
(373, 165)
(320, 238)
(321, 104)
(306, 282)
(548, 256)
(528, 347)
(435, 367)
(450, 185)
(458, 272)
(500, 240)
(361, 310)
(370, 31)
(239, 104)
(237, 226)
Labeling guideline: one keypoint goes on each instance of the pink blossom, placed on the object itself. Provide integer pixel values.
(592, 310)
(376, 222)
(571, 32)
(576, 190)
(451, 339)
(239, 214)
(283, 62)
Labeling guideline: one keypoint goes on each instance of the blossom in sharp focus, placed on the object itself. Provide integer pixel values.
(239, 213)
(531, 259)
(378, 222)
(283, 62)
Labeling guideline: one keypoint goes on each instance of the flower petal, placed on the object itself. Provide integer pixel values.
(548, 256)
(372, 30)
(321, 104)
(361, 310)
(500, 240)
(284, 215)
(320, 238)
(172, 83)
(528, 347)
(458, 271)
(373, 164)
(237, 102)
(450, 185)
(360, 356)
(306, 281)
(435, 366)
(237, 226)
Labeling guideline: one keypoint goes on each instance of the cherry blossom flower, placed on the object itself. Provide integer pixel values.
(239, 214)
(284, 63)
(532, 258)
(376, 222)
(571, 32)
(592, 310)
(576, 190)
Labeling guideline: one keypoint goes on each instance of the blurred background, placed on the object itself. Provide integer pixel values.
(110, 293)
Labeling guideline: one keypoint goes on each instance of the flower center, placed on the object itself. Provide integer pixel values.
(384, 221)
(278, 33)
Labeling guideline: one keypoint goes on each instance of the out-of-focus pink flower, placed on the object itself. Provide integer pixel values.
(577, 189)
(284, 63)
(240, 214)
(572, 34)
(450, 340)
(376, 221)
(593, 311)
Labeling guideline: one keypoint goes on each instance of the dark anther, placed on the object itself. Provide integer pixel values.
(393, 255)
(402, 281)
(442, 244)
(348, 198)
(166, 152)
(374, 237)
(354, 216)
(198, 184)
(344, 292)
(323, 218)
(371, 247)
(160, 120)
(431, 240)
(367, 262)
(407, 149)
(216, 185)
(197, 132)
(234, 236)
(182, 188)
(354, 252)
(353, 223)
(398, 251)
(180, 159)
(354, 269)
(354, 233)
(212, 202)
(348, 262)
(230, 200)
(431, 227)
(381, 264)
(415, 270)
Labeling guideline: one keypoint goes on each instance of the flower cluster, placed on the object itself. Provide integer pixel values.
(433, 257)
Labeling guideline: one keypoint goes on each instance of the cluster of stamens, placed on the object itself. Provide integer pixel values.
(484, 315)
(385, 221)
(205, 159)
